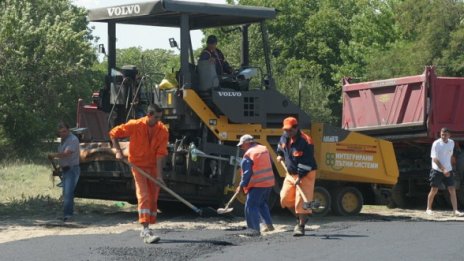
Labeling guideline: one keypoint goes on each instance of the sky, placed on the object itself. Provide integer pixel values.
(146, 37)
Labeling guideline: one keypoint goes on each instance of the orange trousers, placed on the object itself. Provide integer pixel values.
(147, 195)
(291, 198)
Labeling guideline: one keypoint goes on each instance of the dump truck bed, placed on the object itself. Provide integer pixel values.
(408, 107)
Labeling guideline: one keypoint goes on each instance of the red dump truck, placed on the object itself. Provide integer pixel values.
(409, 112)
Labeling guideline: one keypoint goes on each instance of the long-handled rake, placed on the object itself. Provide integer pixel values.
(208, 211)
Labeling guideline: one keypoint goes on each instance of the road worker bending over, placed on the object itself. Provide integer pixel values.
(147, 150)
(297, 149)
(257, 182)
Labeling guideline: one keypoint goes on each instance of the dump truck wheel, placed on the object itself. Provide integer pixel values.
(398, 196)
(390, 203)
(460, 196)
(460, 177)
(347, 201)
(323, 197)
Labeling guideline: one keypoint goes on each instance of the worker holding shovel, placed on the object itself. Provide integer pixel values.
(295, 148)
(257, 182)
(147, 150)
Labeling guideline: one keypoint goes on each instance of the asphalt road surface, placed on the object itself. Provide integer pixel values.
(366, 237)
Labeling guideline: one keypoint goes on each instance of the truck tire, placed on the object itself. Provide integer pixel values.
(460, 177)
(391, 203)
(347, 201)
(460, 195)
(323, 197)
(398, 196)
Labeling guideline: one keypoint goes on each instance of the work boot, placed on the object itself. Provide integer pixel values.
(149, 236)
(299, 230)
(267, 228)
(68, 219)
(145, 232)
(250, 233)
(151, 239)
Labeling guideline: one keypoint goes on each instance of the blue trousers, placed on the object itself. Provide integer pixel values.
(256, 208)
(70, 179)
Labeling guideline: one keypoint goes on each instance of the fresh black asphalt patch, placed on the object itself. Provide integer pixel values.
(174, 245)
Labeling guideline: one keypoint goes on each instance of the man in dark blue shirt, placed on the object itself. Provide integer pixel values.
(297, 150)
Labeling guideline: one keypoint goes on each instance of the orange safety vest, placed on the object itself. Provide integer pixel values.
(263, 176)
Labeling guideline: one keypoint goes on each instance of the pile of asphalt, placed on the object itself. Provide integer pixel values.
(174, 248)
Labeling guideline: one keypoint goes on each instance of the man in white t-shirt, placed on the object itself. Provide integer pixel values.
(442, 171)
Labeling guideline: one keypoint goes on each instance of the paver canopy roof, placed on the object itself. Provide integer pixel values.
(168, 12)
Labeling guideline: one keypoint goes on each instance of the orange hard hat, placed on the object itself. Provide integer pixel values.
(289, 123)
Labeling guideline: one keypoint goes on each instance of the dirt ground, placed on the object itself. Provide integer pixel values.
(125, 220)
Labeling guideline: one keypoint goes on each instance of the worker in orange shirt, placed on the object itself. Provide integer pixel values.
(297, 150)
(147, 150)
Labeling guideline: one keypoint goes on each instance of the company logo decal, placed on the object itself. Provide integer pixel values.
(123, 10)
(230, 94)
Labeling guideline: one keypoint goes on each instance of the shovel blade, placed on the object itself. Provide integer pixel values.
(221, 211)
(313, 205)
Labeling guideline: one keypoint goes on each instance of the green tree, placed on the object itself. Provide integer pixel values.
(153, 62)
(453, 56)
(309, 35)
(428, 34)
(372, 31)
(46, 59)
(325, 40)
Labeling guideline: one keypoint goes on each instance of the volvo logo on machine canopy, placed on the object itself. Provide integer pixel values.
(230, 94)
(124, 10)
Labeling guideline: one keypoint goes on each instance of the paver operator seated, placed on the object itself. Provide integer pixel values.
(214, 55)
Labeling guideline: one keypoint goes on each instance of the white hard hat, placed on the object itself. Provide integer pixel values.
(245, 139)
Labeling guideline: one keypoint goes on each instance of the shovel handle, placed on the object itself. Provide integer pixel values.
(232, 199)
(157, 182)
(297, 185)
(53, 164)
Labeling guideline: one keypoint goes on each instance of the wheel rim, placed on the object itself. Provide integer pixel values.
(349, 202)
(322, 200)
